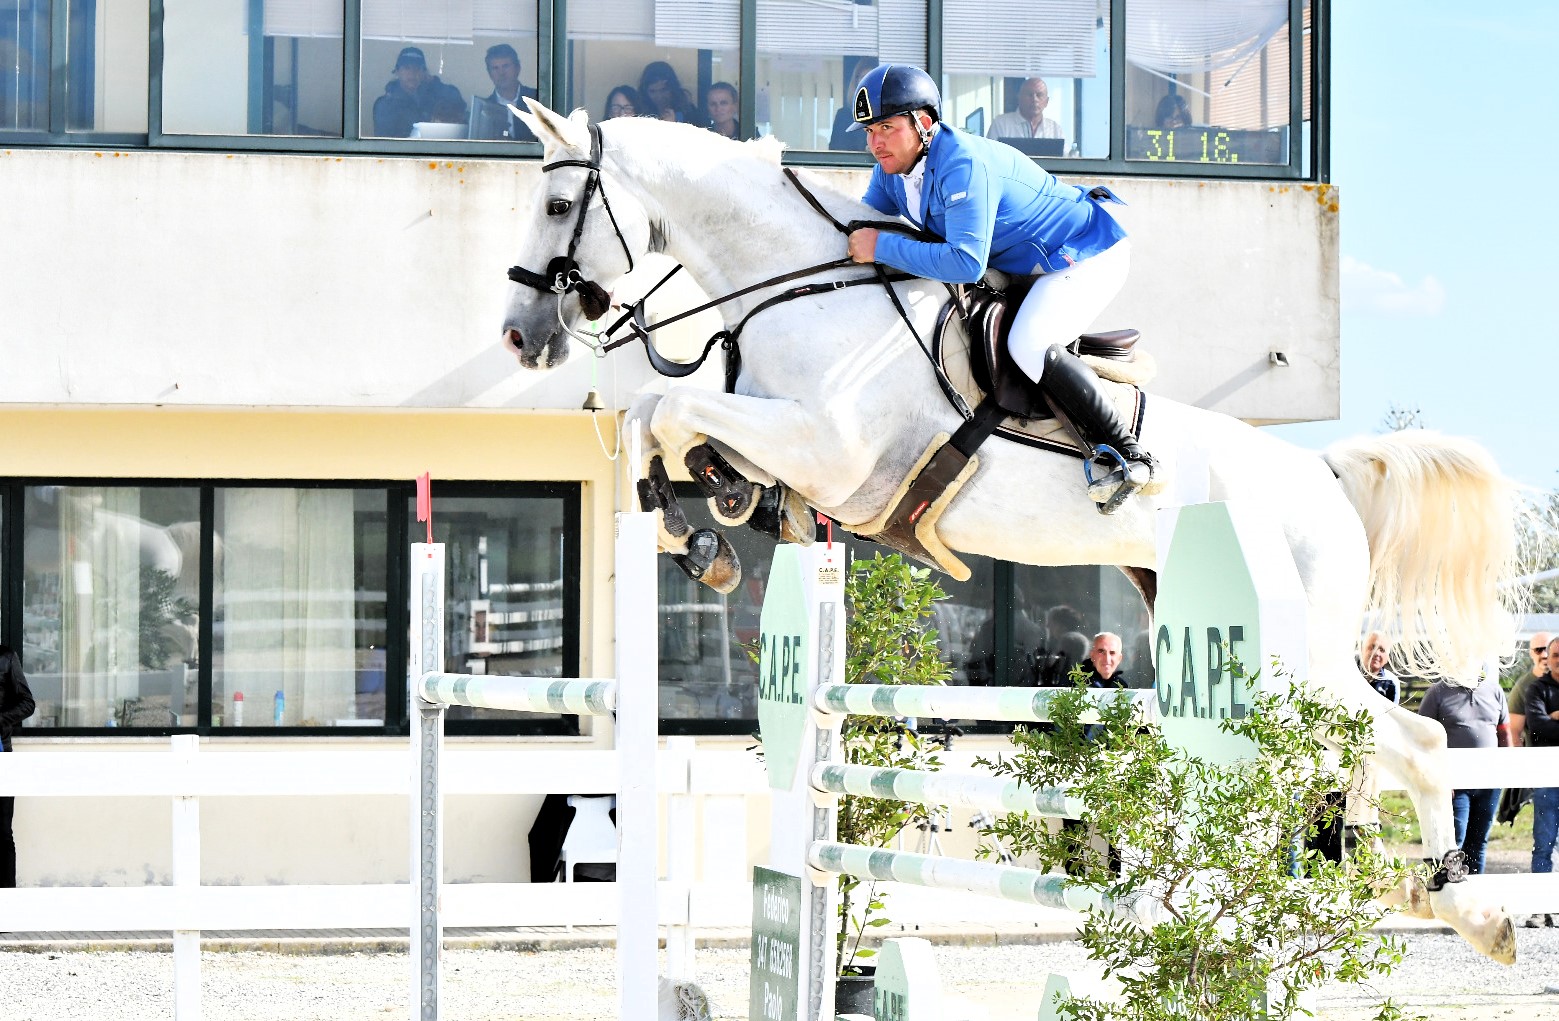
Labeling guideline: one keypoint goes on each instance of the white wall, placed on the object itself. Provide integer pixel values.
(216, 279)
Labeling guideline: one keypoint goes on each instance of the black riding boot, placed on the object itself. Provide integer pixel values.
(1076, 392)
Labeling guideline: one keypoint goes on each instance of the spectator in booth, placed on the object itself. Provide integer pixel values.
(1542, 723)
(1105, 659)
(1173, 112)
(16, 704)
(1538, 648)
(664, 96)
(623, 101)
(724, 108)
(1028, 120)
(1373, 660)
(846, 136)
(1473, 717)
(498, 121)
(414, 95)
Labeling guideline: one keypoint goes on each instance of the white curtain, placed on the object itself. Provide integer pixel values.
(420, 21)
(1188, 36)
(303, 19)
(288, 603)
(1046, 37)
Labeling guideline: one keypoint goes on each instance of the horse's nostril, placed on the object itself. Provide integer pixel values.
(513, 337)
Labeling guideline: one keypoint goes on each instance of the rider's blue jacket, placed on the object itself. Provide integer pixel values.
(996, 207)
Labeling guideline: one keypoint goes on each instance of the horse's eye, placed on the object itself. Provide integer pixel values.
(557, 207)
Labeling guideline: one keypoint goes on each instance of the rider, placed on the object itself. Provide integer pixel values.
(999, 209)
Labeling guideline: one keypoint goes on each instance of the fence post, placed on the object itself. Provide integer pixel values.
(186, 882)
(638, 713)
(426, 654)
(681, 860)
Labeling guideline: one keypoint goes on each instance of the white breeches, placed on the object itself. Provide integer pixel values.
(1064, 304)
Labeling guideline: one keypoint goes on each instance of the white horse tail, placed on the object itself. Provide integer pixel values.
(1441, 522)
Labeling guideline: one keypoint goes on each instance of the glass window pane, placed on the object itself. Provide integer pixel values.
(110, 604)
(706, 671)
(24, 65)
(1207, 85)
(1036, 76)
(505, 561)
(659, 58)
(239, 67)
(446, 71)
(107, 54)
(811, 56)
(1058, 610)
(299, 611)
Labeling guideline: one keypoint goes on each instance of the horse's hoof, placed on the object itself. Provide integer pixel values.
(797, 524)
(655, 493)
(723, 571)
(731, 497)
(1503, 949)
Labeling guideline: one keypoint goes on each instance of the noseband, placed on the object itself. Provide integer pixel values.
(562, 273)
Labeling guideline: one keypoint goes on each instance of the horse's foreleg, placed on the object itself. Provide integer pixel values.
(1412, 748)
(702, 554)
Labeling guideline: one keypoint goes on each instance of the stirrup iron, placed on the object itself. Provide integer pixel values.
(1123, 479)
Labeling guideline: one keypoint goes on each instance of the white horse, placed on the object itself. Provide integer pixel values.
(834, 400)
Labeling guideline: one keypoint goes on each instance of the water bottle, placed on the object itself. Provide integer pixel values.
(238, 709)
(281, 708)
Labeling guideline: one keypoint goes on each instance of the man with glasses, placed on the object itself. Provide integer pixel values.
(1542, 726)
(1538, 648)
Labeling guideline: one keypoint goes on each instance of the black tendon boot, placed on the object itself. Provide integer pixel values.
(1076, 393)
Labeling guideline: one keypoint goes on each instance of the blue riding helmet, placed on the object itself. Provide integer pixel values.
(891, 89)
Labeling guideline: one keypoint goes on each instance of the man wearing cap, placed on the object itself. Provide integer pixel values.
(998, 209)
(414, 95)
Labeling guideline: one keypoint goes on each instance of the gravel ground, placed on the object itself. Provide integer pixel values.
(1441, 977)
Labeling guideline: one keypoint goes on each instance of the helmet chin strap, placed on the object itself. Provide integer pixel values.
(925, 137)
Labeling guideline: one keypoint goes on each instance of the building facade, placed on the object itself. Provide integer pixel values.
(242, 312)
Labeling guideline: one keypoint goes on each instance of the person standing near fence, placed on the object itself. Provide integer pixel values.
(1542, 717)
(16, 704)
(1473, 717)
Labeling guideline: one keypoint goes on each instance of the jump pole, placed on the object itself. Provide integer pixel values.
(632, 694)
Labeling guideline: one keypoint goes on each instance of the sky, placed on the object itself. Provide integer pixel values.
(1446, 155)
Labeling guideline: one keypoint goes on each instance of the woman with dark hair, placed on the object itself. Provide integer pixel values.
(624, 101)
(664, 96)
(1172, 112)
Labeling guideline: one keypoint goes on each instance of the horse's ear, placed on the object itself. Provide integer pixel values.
(549, 127)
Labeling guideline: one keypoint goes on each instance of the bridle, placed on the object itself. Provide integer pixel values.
(562, 274)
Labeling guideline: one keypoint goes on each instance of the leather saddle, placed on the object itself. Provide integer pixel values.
(987, 310)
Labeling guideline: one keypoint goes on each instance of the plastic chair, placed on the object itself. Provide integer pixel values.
(591, 837)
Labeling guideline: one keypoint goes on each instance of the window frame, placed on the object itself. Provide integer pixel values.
(552, 52)
(399, 496)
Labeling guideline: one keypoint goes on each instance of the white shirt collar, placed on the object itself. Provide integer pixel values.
(913, 182)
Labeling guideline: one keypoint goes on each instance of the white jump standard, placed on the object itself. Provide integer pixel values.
(631, 696)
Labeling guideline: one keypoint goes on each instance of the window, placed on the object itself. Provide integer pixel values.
(300, 608)
(235, 67)
(1036, 76)
(106, 53)
(812, 55)
(512, 564)
(1207, 85)
(111, 604)
(163, 606)
(447, 71)
(661, 57)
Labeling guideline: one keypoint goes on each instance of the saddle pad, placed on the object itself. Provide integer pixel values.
(1048, 433)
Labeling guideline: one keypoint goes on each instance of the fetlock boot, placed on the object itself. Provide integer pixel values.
(1077, 394)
